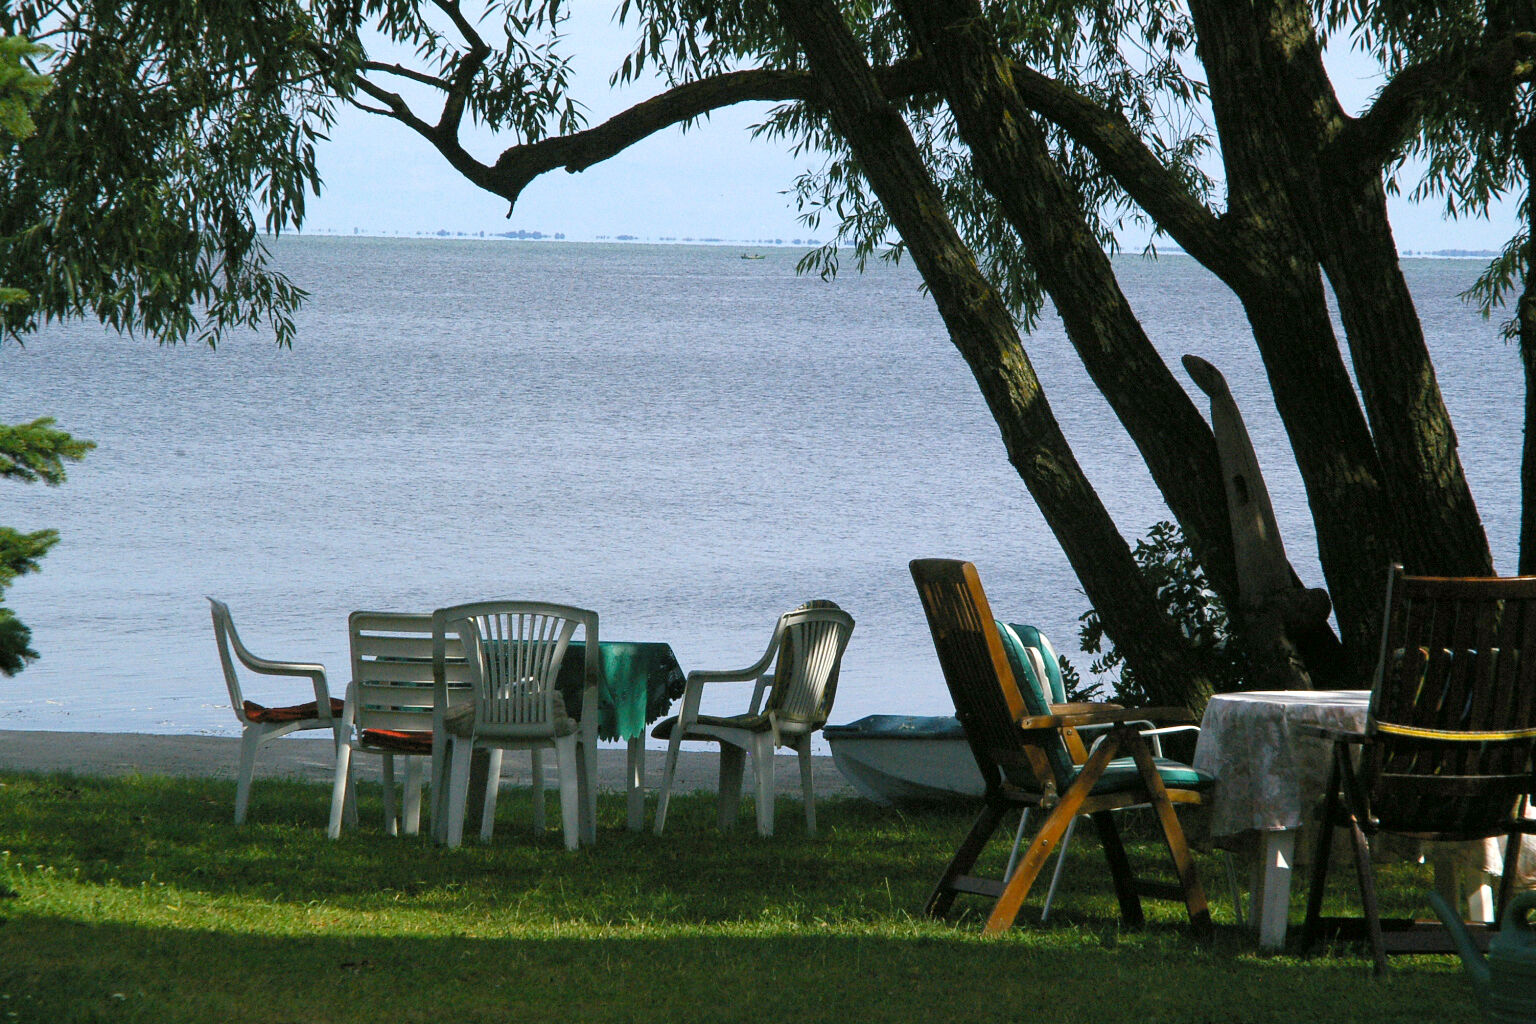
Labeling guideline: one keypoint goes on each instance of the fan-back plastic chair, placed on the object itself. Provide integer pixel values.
(1028, 753)
(1449, 747)
(260, 725)
(808, 643)
(513, 651)
(389, 708)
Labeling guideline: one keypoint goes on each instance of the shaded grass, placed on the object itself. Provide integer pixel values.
(137, 900)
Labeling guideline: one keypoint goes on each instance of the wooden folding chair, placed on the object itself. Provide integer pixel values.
(1447, 752)
(1024, 757)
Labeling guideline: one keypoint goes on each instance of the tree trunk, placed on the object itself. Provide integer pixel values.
(1012, 159)
(1281, 289)
(1526, 312)
(982, 329)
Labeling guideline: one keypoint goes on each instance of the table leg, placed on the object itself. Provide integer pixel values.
(1271, 906)
(636, 783)
(1455, 878)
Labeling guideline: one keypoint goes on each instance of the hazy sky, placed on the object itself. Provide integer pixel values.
(713, 181)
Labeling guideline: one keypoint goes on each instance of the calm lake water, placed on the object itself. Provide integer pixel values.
(683, 440)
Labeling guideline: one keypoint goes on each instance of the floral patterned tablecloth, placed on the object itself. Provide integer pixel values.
(1269, 774)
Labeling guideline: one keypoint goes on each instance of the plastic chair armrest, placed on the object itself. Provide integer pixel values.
(298, 669)
(741, 675)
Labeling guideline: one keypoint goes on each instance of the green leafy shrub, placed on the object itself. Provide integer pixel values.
(1167, 563)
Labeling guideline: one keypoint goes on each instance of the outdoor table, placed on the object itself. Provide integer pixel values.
(1270, 775)
(640, 681)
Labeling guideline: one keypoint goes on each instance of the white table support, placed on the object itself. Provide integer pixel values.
(1270, 900)
(1270, 906)
(635, 769)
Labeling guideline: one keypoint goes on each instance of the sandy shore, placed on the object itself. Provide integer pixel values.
(107, 753)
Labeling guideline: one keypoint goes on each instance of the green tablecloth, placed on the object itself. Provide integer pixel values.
(640, 682)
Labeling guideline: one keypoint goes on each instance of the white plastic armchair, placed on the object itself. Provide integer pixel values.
(513, 651)
(798, 676)
(259, 724)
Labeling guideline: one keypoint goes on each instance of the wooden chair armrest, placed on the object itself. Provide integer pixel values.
(1106, 715)
(1083, 707)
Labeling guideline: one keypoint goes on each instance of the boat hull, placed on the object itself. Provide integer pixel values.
(894, 759)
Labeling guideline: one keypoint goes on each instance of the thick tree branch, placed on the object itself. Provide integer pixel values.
(1376, 136)
(1129, 160)
(519, 165)
(401, 71)
(464, 74)
(445, 142)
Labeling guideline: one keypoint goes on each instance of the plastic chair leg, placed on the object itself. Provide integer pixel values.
(807, 785)
(570, 795)
(250, 741)
(536, 766)
(458, 790)
(350, 809)
(339, 788)
(391, 821)
(410, 797)
(665, 796)
(440, 788)
(492, 786)
(732, 760)
(586, 784)
(762, 770)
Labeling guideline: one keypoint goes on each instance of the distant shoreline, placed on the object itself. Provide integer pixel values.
(444, 235)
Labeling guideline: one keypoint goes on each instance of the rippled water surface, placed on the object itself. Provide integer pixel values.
(683, 440)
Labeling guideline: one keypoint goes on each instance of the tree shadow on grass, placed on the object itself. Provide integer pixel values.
(61, 970)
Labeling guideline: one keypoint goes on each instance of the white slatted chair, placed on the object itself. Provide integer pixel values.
(808, 643)
(260, 725)
(389, 707)
(514, 650)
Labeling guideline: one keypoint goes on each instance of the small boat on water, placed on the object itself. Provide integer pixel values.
(751, 255)
(894, 759)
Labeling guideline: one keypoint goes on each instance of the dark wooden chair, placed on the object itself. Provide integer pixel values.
(1446, 755)
(1025, 755)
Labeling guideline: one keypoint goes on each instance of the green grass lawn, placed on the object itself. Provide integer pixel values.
(137, 900)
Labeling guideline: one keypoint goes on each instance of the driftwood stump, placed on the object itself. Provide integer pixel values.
(1283, 624)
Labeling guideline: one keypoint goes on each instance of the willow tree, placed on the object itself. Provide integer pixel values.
(1000, 145)
(139, 144)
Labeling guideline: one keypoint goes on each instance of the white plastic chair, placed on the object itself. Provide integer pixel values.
(389, 708)
(809, 644)
(513, 650)
(260, 725)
